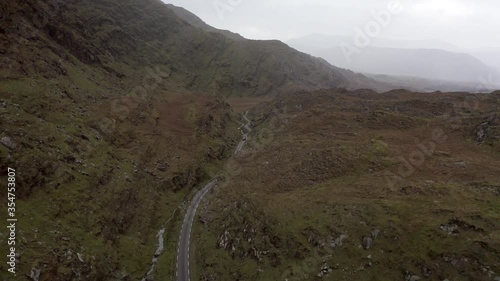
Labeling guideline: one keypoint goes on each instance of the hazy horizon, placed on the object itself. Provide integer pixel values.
(461, 23)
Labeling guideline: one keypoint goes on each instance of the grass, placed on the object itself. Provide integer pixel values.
(296, 220)
(18, 86)
(105, 195)
(379, 148)
(103, 199)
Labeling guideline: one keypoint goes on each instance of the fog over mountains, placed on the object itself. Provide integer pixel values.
(452, 43)
(434, 60)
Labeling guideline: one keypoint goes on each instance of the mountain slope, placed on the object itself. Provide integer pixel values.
(489, 57)
(111, 113)
(193, 20)
(432, 64)
(123, 36)
(325, 41)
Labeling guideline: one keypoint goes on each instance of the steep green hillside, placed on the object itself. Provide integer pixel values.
(106, 150)
(123, 37)
(90, 198)
(195, 21)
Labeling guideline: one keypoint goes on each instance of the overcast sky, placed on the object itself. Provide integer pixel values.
(467, 24)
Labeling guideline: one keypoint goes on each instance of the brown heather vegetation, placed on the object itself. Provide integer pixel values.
(100, 170)
(313, 201)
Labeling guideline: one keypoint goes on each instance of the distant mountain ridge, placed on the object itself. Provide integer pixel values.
(357, 80)
(489, 56)
(322, 40)
(419, 62)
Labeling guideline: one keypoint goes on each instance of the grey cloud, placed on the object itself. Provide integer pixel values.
(468, 24)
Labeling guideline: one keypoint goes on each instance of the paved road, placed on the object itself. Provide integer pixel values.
(245, 135)
(183, 250)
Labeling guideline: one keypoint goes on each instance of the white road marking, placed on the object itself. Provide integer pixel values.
(188, 221)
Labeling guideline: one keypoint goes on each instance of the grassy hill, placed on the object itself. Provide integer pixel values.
(112, 112)
(339, 185)
(195, 21)
(124, 37)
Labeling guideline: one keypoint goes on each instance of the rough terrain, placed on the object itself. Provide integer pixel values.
(339, 185)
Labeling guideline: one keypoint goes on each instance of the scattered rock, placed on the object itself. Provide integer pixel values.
(454, 226)
(224, 240)
(80, 257)
(426, 271)
(7, 142)
(442, 154)
(339, 241)
(483, 130)
(35, 274)
(460, 165)
(411, 277)
(325, 270)
(485, 187)
(460, 263)
(411, 190)
(451, 229)
(375, 233)
(361, 268)
(367, 242)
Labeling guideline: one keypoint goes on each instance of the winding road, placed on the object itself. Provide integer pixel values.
(183, 251)
(245, 135)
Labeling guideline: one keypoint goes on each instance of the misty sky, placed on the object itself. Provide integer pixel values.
(466, 24)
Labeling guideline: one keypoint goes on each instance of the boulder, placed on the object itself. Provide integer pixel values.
(7, 142)
(367, 242)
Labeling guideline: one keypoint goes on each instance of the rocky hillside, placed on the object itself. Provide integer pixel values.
(105, 146)
(92, 198)
(123, 37)
(195, 21)
(339, 185)
(111, 112)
